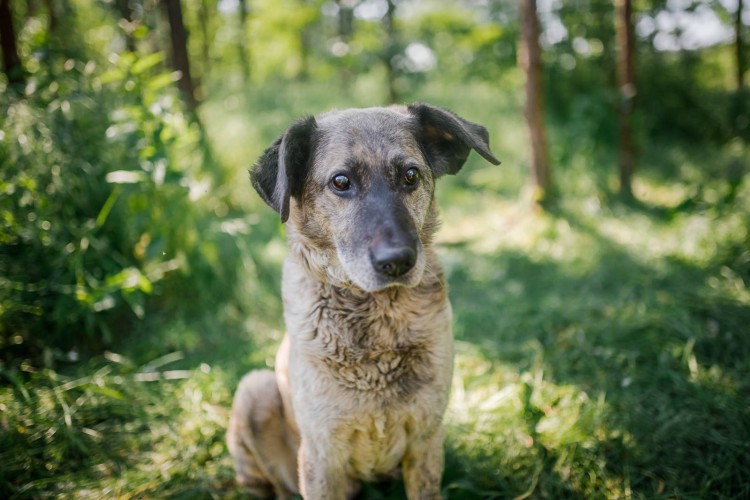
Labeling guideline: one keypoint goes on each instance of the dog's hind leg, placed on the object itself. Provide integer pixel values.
(259, 439)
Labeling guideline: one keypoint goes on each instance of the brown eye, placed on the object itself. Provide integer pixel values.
(340, 182)
(411, 176)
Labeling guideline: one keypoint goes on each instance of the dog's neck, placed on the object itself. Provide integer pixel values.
(376, 342)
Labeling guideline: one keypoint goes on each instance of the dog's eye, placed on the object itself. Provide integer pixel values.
(411, 176)
(340, 182)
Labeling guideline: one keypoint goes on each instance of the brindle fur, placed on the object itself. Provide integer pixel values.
(362, 377)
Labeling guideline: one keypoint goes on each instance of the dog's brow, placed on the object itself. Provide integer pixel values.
(402, 159)
(356, 165)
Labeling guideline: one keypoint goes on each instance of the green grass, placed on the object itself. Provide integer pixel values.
(602, 348)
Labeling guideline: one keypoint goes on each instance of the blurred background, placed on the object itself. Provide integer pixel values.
(599, 276)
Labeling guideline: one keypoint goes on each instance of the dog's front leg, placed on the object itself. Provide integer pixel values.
(423, 467)
(321, 476)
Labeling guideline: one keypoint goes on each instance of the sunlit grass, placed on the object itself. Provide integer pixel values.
(580, 370)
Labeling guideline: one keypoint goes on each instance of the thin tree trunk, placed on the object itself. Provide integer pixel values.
(739, 44)
(626, 82)
(530, 59)
(11, 60)
(205, 45)
(123, 6)
(306, 35)
(389, 51)
(180, 57)
(345, 32)
(53, 24)
(346, 19)
(241, 43)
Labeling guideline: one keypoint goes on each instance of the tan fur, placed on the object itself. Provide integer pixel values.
(362, 377)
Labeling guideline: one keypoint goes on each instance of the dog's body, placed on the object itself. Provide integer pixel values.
(362, 378)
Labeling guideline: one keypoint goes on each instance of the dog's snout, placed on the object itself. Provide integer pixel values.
(393, 261)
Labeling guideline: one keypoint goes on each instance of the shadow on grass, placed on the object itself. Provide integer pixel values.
(629, 376)
(147, 418)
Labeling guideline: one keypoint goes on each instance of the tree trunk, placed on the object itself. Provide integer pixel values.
(11, 61)
(626, 82)
(739, 44)
(204, 12)
(180, 58)
(345, 32)
(530, 59)
(126, 13)
(346, 19)
(389, 51)
(53, 23)
(241, 43)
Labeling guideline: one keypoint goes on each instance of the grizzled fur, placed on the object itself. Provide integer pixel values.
(362, 377)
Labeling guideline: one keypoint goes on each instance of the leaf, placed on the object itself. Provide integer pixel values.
(146, 63)
(113, 75)
(145, 284)
(129, 279)
(125, 177)
(105, 391)
(162, 80)
(135, 301)
(162, 361)
(107, 207)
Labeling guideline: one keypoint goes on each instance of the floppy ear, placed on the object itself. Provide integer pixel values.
(447, 138)
(280, 172)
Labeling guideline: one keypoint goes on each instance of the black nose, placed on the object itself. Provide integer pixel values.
(393, 261)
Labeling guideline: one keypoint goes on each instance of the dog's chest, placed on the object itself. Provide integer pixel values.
(377, 443)
(379, 345)
(397, 372)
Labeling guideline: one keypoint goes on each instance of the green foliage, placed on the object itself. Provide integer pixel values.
(685, 95)
(464, 48)
(702, 111)
(106, 202)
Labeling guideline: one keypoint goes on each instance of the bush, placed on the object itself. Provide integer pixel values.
(105, 203)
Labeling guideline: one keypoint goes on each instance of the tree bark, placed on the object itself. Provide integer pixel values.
(345, 32)
(627, 89)
(126, 14)
(241, 43)
(739, 44)
(11, 61)
(530, 59)
(53, 24)
(180, 58)
(204, 12)
(389, 51)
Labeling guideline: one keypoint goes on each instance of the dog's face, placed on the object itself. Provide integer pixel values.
(357, 188)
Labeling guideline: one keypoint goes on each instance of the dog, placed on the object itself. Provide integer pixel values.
(363, 374)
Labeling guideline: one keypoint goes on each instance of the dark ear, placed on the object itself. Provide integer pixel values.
(447, 138)
(280, 172)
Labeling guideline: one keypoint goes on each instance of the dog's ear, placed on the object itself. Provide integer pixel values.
(280, 172)
(447, 138)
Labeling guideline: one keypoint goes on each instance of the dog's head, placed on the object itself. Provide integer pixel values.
(357, 188)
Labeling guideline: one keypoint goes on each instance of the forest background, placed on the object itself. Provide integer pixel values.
(599, 276)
